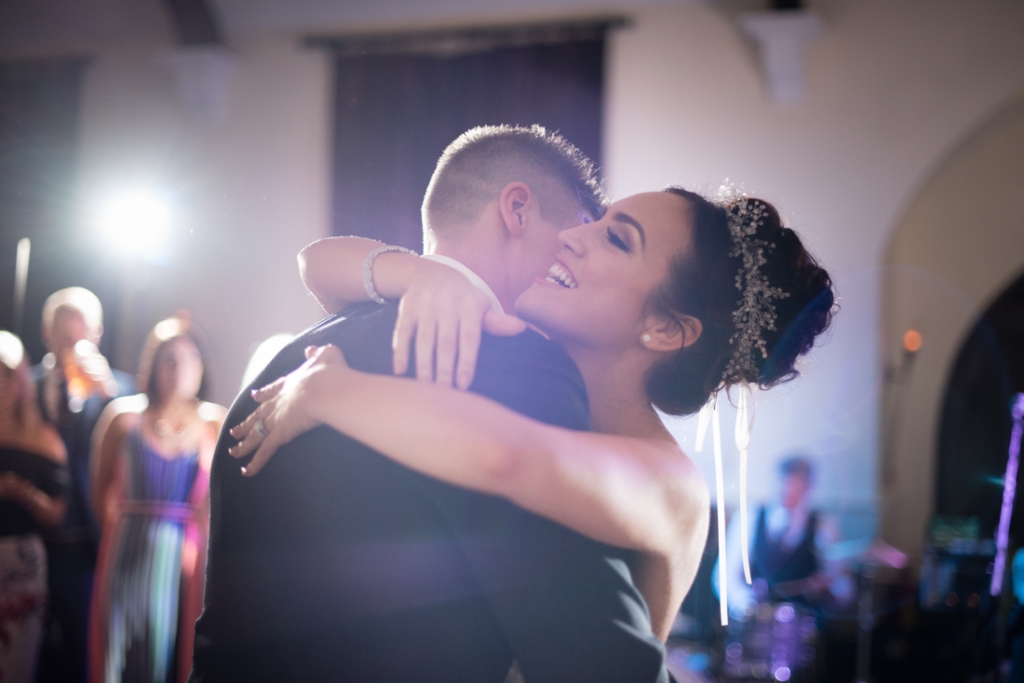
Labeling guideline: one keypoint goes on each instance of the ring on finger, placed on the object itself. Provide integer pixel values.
(260, 429)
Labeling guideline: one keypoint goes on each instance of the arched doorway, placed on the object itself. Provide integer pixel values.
(959, 245)
(974, 431)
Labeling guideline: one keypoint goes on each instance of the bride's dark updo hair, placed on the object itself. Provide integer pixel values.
(702, 284)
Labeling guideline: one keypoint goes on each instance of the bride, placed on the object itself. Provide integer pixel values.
(667, 299)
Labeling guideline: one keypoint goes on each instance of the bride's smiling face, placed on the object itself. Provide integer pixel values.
(597, 292)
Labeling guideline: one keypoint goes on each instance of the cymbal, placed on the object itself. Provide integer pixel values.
(861, 551)
(882, 554)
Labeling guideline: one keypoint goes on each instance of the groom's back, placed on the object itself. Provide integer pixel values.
(338, 564)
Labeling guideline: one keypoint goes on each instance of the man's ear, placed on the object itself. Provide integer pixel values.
(661, 334)
(515, 203)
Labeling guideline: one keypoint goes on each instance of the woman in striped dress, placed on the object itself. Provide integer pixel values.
(151, 463)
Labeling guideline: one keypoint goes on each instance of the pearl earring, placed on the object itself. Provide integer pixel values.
(646, 338)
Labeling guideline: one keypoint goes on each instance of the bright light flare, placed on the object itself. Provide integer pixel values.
(135, 223)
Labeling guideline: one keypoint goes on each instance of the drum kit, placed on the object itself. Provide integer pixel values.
(779, 640)
(774, 642)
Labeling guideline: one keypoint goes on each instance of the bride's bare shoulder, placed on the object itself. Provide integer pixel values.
(695, 479)
(674, 457)
(688, 484)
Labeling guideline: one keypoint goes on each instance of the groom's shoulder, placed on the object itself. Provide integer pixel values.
(534, 376)
(355, 322)
(356, 330)
(528, 348)
(362, 332)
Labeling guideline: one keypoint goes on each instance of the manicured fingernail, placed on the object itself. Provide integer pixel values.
(245, 472)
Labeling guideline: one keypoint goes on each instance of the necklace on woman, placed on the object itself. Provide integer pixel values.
(175, 439)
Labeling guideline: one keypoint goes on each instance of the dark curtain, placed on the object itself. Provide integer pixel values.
(39, 103)
(399, 104)
(974, 433)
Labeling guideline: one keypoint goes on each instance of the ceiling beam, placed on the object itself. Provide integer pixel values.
(195, 22)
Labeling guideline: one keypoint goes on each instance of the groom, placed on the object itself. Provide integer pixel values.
(336, 564)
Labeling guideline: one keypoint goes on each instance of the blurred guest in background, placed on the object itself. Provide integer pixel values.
(33, 477)
(150, 486)
(74, 383)
(788, 545)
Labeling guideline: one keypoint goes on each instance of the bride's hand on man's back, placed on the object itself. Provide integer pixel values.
(288, 406)
(445, 314)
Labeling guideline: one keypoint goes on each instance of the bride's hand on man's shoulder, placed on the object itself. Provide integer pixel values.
(287, 406)
(445, 314)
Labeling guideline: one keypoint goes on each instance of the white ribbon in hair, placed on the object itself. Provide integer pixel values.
(744, 426)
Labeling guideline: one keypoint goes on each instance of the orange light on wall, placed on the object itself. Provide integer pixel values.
(912, 340)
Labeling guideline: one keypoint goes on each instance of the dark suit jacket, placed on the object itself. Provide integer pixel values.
(337, 564)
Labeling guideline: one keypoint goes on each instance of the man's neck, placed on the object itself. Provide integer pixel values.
(486, 263)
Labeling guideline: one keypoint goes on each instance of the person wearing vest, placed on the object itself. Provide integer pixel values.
(788, 543)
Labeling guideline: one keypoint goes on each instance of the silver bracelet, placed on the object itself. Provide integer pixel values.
(371, 291)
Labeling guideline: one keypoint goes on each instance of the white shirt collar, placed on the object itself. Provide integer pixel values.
(787, 524)
(475, 279)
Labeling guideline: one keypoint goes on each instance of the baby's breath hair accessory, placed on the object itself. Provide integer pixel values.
(756, 312)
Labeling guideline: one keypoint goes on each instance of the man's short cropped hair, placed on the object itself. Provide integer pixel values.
(797, 465)
(475, 167)
(77, 299)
